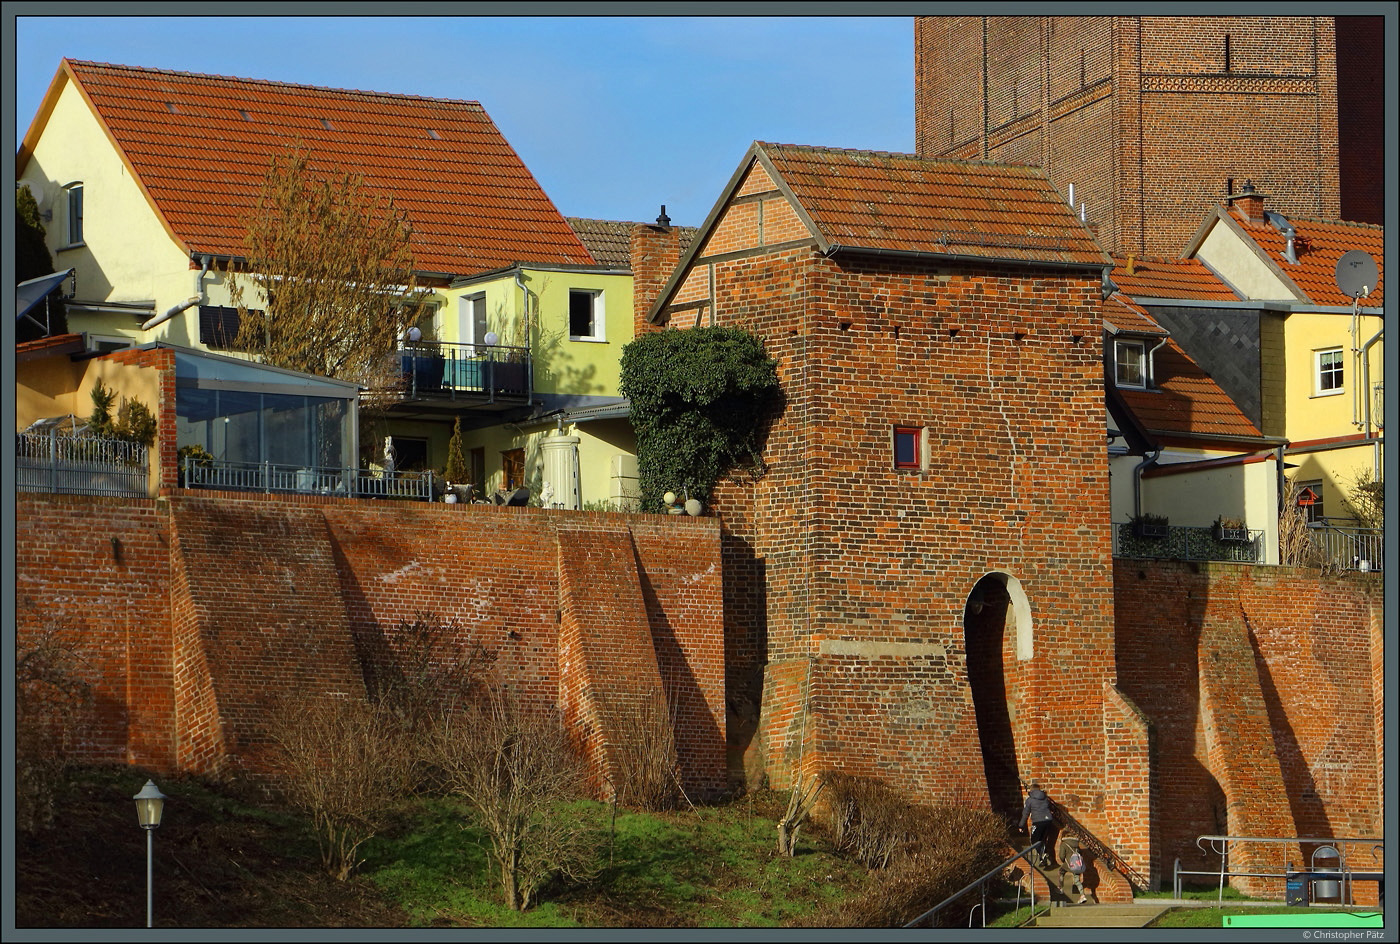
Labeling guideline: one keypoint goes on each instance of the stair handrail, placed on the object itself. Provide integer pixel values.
(1101, 850)
(995, 871)
(1098, 847)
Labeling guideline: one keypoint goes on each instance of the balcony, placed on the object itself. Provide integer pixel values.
(1343, 547)
(1184, 543)
(438, 370)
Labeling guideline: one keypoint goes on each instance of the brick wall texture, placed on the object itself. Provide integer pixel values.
(1246, 700)
(196, 616)
(1263, 687)
(1148, 116)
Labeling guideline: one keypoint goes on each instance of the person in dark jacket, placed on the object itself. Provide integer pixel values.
(1037, 813)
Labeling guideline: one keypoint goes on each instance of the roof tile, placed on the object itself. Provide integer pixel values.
(902, 202)
(1186, 400)
(473, 204)
(1170, 278)
(1318, 245)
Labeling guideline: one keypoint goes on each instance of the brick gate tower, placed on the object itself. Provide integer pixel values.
(918, 586)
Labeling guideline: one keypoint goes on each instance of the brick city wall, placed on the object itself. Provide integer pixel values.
(196, 615)
(1128, 110)
(1263, 688)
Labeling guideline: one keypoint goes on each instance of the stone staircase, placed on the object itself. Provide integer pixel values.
(1101, 916)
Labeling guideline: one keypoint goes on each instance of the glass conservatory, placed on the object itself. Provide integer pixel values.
(245, 419)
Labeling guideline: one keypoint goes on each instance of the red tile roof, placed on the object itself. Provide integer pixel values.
(1187, 402)
(902, 202)
(610, 241)
(1170, 278)
(49, 346)
(1318, 246)
(200, 145)
(1121, 313)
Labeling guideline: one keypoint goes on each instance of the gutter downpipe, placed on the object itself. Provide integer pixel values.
(1366, 393)
(529, 346)
(196, 299)
(1138, 469)
(1151, 363)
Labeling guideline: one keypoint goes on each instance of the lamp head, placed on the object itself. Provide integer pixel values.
(150, 803)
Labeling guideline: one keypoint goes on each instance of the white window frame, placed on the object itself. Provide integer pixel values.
(73, 214)
(600, 330)
(471, 315)
(1120, 346)
(1332, 370)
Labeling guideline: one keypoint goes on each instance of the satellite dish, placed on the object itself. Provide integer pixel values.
(1357, 275)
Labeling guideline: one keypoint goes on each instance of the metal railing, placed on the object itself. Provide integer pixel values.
(995, 873)
(271, 477)
(1185, 543)
(1225, 846)
(80, 465)
(1349, 548)
(439, 369)
(1095, 846)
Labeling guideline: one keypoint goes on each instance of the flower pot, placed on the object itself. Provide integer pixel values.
(1142, 529)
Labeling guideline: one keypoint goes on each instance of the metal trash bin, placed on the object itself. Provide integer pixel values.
(1329, 888)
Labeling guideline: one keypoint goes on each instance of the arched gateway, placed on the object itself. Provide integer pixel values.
(998, 634)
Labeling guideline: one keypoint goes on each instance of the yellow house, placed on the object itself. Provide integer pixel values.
(145, 178)
(1319, 287)
(1286, 317)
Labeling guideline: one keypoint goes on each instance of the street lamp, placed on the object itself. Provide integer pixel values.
(150, 802)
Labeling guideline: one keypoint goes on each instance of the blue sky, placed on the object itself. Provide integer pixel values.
(613, 115)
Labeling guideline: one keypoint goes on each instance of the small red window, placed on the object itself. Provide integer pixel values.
(907, 440)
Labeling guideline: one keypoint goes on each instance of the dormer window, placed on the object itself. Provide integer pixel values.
(1130, 363)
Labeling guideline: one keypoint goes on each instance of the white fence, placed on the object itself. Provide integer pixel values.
(270, 477)
(80, 465)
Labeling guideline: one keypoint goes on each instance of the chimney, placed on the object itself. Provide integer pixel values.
(1249, 203)
(655, 248)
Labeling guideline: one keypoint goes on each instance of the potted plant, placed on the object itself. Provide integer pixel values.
(1150, 526)
(1231, 529)
(193, 454)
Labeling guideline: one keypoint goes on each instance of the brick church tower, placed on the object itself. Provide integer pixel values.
(1151, 119)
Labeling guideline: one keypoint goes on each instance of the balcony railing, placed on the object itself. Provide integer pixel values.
(438, 369)
(80, 465)
(1183, 543)
(292, 479)
(1345, 547)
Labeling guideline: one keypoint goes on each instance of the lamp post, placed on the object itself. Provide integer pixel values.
(150, 802)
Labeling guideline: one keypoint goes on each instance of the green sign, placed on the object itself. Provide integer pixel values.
(1319, 919)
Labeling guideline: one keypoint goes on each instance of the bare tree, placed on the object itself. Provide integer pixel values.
(326, 284)
(645, 761)
(345, 763)
(1296, 547)
(1365, 500)
(52, 706)
(516, 771)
